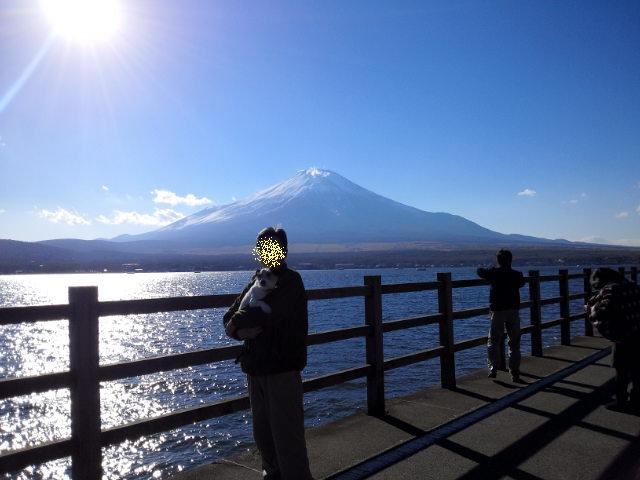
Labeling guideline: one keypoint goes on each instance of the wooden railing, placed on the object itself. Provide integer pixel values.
(85, 373)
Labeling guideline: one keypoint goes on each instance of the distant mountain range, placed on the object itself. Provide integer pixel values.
(321, 211)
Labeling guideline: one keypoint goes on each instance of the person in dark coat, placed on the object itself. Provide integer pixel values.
(504, 298)
(274, 353)
(626, 347)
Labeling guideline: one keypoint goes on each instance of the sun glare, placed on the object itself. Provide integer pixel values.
(84, 21)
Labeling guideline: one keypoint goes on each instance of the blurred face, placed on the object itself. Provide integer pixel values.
(269, 252)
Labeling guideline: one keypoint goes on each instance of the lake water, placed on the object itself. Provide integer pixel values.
(43, 348)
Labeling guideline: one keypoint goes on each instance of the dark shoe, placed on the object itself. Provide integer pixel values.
(515, 377)
(493, 371)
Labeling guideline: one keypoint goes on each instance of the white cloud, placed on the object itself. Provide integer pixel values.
(104, 188)
(170, 198)
(63, 216)
(233, 199)
(573, 201)
(527, 192)
(622, 215)
(2, 210)
(583, 195)
(159, 218)
(638, 209)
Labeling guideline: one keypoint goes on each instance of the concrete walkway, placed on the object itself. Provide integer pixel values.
(562, 431)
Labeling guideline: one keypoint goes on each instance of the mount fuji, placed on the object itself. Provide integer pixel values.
(319, 208)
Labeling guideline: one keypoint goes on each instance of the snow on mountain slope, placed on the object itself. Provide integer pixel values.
(318, 206)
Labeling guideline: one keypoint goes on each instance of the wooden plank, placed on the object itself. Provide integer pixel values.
(14, 387)
(38, 313)
(411, 358)
(187, 416)
(526, 304)
(470, 312)
(549, 278)
(336, 378)
(15, 460)
(445, 307)
(175, 419)
(550, 300)
(473, 282)
(338, 334)
(577, 316)
(374, 345)
(411, 322)
(576, 296)
(408, 287)
(574, 276)
(86, 459)
(162, 363)
(336, 292)
(551, 323)
(527, 329)
(470, 343)
(169, 304)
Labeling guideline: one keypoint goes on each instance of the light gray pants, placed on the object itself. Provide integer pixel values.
(509, 319)
(278, 425)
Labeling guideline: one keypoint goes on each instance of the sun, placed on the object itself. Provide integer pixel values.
(87, 22)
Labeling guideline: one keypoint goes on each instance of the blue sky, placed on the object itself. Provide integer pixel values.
(521, 116)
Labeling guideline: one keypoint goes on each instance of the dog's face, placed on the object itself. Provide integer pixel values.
(266, 279)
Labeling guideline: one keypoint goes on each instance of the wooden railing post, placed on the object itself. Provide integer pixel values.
(535, 313)
(85, 387)
(588, 327)
(445, 307)
(565, 326)
(634, 274)
(375, 353)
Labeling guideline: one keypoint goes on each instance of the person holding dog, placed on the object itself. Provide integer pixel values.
(274, 353)
(504, 298)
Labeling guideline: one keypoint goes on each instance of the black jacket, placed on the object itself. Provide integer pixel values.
(505, 287)
(282, 345)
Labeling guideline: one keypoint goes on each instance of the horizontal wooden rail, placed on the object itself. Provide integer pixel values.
(576, 296)
(409, 287)
(337, 292)
(187, 416)
(14, 387)
(577, 316)
(146, 366)
(338, 334)
(38, 313)
(415, 357)
(550, 301)
(45, 452)
(470, 312)
(470, 343)
(473, 282)
(411, 322)
(573, 276)
(551, 323)
(549, 278)
(167, 304)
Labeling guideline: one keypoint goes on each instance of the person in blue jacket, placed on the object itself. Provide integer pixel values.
(504, 298)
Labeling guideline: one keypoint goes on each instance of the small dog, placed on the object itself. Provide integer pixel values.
(264, 283)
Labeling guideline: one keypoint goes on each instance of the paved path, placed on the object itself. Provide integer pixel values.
(553, 427)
